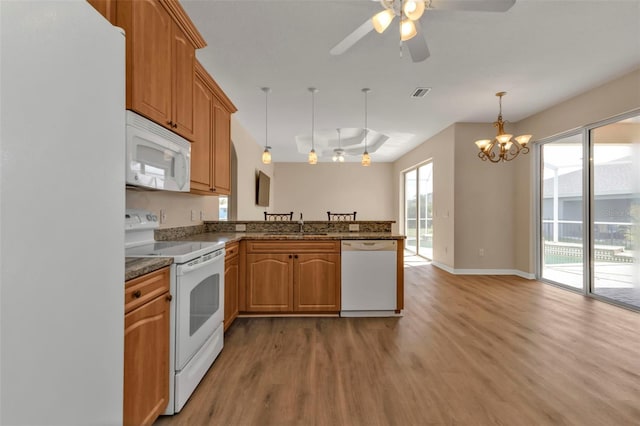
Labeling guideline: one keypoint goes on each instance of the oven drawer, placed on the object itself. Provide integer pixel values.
(140, 290)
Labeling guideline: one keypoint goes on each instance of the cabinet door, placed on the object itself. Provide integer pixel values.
(269, 283)
(201, 148)
(317, 282)
(231, 274)
(149, 65)
(222, 154)
(183, 58)
(146, 362)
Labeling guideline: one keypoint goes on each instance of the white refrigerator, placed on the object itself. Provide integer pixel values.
(62, 104)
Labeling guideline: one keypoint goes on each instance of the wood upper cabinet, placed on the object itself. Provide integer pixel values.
(146, 348)
(202, 148)
(160, 57)
(211, 147)
(107, 8)
(222, 143)
(231, 280)
(293, 277)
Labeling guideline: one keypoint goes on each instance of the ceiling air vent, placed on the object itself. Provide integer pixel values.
(420, 92)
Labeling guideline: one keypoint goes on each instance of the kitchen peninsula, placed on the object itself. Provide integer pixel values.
(272, 268)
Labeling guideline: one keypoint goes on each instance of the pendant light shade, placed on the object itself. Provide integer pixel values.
(366, 158)
(313, 157)
(266, 154)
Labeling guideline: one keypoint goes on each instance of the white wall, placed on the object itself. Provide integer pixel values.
(177, 206)
(249, 161)
(338, 187)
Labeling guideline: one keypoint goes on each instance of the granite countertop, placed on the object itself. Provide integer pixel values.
(229, 237)
(135, 267)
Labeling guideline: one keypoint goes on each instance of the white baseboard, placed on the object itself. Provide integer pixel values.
(454, 271)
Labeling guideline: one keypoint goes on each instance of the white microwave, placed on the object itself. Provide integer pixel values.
(156, 157)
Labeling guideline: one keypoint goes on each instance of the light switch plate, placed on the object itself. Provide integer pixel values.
(241, 227)
(354, 227)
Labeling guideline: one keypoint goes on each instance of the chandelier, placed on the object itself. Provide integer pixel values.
(502, 148)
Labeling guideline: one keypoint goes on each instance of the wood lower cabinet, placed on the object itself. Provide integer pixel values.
(146, 348)
(211, 147)
(231, 277)
(160, 59)
(295, 277)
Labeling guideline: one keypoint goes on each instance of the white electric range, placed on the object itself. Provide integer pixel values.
(197, 307)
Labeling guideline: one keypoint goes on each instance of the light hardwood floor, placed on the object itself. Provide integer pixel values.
(469, 350)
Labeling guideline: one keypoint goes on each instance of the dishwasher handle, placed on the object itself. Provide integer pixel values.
(369, 245)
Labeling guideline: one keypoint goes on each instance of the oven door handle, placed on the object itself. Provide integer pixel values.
(186, 268)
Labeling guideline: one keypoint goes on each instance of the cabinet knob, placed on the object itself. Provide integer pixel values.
(174, 125)
(169, 298)
(137, 294)
(295, 256)
(290, 256)
(170, 123)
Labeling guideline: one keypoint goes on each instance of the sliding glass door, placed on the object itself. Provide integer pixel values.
(615, 211)
(562, 230)
(593, 178)
(418, 186)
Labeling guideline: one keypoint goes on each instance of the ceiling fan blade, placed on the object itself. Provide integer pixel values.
(418, 45)
(352, 38)
(473, 5)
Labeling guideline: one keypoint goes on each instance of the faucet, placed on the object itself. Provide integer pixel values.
(301, 223)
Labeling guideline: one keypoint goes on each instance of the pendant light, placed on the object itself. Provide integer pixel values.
(338, 154)
(266, 154)
(313, 157)
(366, 158)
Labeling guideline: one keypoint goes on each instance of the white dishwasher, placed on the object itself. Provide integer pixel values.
(369, 278)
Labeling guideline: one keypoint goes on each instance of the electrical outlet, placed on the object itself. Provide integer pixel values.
(354, 227)
(193, 215)
(163, 215)
(241, 227)
(481, 252)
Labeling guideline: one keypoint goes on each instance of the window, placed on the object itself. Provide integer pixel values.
(418, 202)
(223, 207)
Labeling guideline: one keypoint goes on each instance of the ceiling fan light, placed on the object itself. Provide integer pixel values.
(313, 157)
(341, 158)
(413, 9)
(381, 20)
(266, 156)
(407, 30)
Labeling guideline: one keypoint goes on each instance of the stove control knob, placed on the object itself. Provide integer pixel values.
(154, 218)
(149, 217)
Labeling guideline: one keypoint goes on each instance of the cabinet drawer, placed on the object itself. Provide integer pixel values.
(140, 290)
(231, 251)
(284, 246)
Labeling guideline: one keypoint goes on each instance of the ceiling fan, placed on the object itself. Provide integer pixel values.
(410, 12)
